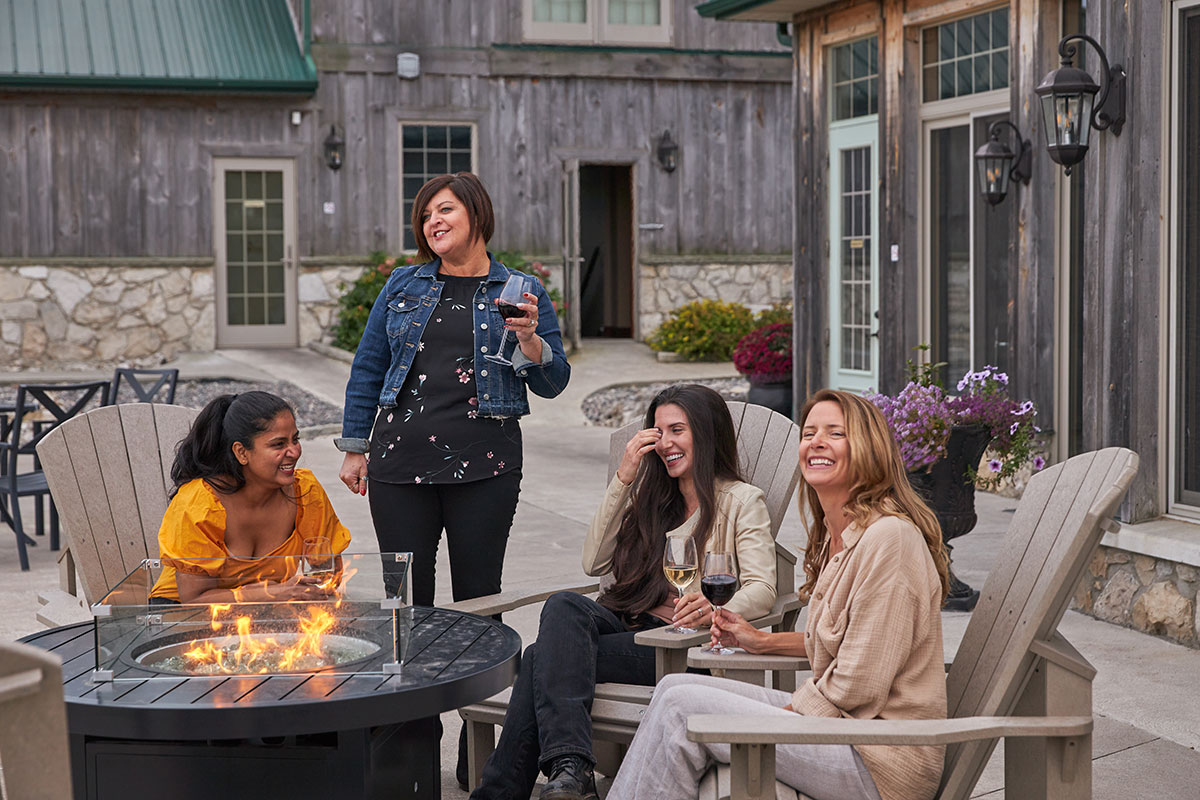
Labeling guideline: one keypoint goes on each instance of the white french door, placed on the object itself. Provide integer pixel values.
(854, 254)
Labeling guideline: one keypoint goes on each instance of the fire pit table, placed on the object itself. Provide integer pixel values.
(144, 724)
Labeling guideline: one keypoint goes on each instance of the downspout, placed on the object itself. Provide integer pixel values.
(308, 29)
(781, 33)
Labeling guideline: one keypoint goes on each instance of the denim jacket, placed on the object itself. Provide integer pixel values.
(394, 329)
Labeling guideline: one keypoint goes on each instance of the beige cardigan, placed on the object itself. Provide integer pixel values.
(874, 638)
(742, 527)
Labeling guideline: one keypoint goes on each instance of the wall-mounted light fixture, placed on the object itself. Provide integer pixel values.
(335, 149)
(997, 165)
(1071, 108)
(667, 152)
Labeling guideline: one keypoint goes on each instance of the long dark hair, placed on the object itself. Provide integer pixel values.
(207, 450)
(657, 505)
(879, 485)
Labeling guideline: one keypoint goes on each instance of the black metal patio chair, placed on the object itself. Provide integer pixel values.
(39, 409)
(144, 390)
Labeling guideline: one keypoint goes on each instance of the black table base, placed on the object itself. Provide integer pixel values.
(392, 761)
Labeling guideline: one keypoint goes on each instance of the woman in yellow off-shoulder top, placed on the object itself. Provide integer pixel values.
(240, 505)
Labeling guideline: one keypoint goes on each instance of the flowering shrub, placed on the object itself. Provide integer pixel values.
(922, 414)
(765, 354)
(703, 330)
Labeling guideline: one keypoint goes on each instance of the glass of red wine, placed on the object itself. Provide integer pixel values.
(718, 583)
(512, 293)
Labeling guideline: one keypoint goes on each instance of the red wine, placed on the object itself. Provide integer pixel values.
(718, 588)
(508, 310)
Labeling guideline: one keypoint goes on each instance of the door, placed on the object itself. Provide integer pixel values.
(254, 225)
(606, 246)
(853, 256)
(570, 247)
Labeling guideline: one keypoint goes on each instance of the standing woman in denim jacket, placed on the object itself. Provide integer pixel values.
(430, 424)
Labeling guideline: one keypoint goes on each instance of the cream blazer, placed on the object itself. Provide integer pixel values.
(742, 526)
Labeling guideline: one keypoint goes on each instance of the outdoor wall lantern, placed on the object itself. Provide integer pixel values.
(998, 166)
(1070, 106)
(667, 152)
(335, 149)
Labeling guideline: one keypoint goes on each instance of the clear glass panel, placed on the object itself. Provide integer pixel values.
(855, 67)
(255, 217)
(274, 185)
(254, 248)
(950, 277)
(983, 73)
(862, 58)
(460, 137)
(962, 38)
(275, 278)
(1187, 337)
(234, 251)
(444, 148)
(233, 185)
(275, 315)
(437, 136)
(856, 247)
(994, 266)
(235, 277)
(359, 622)
(256, 311)
(841, 64)
(233, 216)
(412, 137)
(254, 278)
(971, 55)
(843, 101)
(634, 12)
(1000, 69)
(460, 162)
(235, 309)
(437, 163)
(254, 185)
(275, 216)
(560, 10)
(274, 247)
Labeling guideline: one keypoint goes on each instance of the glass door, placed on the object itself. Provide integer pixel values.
(254, 226)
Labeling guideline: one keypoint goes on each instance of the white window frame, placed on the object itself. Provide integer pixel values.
(400, 126)
(596, 30)
(1170, 290)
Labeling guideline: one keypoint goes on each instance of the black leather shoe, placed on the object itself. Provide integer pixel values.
(571, 778)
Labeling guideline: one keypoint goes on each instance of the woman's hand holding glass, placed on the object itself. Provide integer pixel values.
(730, 629)
(692, 611)
(519, 317)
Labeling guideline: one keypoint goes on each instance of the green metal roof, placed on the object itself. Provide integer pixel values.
(188, 45)
(757, 10)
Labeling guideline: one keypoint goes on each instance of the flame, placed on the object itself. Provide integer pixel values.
(258, 653)
(218, 609)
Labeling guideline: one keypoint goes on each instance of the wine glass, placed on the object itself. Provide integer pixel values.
(680, 565)
(719, 583)
(512, 293)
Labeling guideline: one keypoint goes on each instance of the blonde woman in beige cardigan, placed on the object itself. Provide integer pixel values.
(679, 476)
(876, 577)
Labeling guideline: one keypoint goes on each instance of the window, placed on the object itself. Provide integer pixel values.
(855, 78)
(598, 21)
(966, 56)
(1186, 331)
(429, 150)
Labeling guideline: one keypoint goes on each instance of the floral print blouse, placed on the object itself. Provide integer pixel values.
(434, 433)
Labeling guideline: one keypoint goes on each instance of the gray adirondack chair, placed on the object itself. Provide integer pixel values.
(1014, 676)
(109, 472)
(769, 454)
(34, 760)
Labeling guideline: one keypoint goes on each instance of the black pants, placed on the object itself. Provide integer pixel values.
(580, 643)
(410, 518)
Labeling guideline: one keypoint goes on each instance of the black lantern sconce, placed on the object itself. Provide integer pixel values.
(335, 149)
(1071, 108)
(998, 166)
(667, 152)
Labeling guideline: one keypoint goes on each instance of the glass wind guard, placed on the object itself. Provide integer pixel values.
(347, 614)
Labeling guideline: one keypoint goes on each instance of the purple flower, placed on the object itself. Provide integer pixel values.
(994, 465)
(1038, 463)
(1026, 407)
(1013, 429)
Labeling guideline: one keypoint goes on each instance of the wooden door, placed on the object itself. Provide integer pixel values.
(254, 225)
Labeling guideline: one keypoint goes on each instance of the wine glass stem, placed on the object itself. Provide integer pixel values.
(503, 342)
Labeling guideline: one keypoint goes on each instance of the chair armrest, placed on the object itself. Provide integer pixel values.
(59, 608)
(756, 729)
(658, 637)
(743, 661)
(517, 598)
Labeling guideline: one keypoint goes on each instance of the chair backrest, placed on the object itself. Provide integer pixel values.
(109, 472)
(42, 407)
(139, 380)
(34, 755)
(1053, 534)
(768, 448)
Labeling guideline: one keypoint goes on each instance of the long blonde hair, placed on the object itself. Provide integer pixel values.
(879, 486)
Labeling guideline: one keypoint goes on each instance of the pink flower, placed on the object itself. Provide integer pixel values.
(433, 438)
(490, 454)
(465, 463)
(417, 479)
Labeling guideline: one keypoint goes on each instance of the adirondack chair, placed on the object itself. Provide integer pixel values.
(768, 451)
(109, 472)
(1014, 676)
(34, 760)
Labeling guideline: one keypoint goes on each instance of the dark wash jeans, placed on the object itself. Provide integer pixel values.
(580, 643)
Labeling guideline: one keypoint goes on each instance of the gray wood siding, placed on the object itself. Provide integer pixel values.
(111, 175)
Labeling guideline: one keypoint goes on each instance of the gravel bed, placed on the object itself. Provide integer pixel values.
(614, 406)
(310, 410)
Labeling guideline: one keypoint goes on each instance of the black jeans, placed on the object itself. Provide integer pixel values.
(476, 517)
(580, 643)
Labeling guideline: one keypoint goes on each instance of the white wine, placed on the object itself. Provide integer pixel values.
(680, 577)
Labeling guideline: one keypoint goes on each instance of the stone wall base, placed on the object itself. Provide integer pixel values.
(1148, 594)
(668, 282)
(90, 316)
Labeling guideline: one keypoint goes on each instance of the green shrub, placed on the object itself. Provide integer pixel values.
(703, 330)
(780, 312)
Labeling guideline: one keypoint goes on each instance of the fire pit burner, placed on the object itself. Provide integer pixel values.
(253, 653)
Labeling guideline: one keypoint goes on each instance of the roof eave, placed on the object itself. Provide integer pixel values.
(757, 10)
(188, 85)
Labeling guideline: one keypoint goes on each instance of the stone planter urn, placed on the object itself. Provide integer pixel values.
(775, 394)
(944, 485)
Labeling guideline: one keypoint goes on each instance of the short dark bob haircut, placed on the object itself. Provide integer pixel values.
(470, 192)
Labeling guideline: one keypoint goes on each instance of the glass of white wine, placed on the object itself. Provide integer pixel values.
(680, 565)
